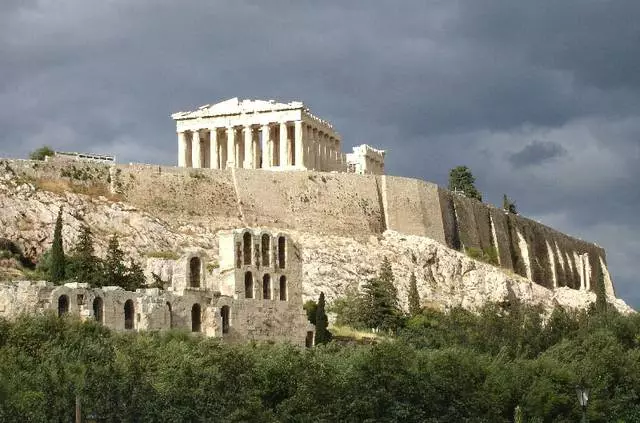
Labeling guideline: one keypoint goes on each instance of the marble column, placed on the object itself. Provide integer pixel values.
(231, 146)
(214, 150)
(266, 152)
(248, 147)
(299, 140)
(284, 145)
(196, 155)
(182, 149)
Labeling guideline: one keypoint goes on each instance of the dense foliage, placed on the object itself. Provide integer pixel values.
(443, 367)
(82, 265)
(461, 179)
(41, 153)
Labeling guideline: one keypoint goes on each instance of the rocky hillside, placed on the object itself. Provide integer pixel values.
(333, 264)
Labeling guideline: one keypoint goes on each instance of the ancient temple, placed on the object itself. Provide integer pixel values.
(259, 134)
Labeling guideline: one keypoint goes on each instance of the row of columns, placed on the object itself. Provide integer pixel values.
(300, 145)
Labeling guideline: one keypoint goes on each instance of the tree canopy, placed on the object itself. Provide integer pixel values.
(461, 179)
(502, 363)
(41, 153)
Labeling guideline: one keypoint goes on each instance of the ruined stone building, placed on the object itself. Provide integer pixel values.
(253, 292)
(258, 134)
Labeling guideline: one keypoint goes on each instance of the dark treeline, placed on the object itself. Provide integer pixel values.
(441, 367)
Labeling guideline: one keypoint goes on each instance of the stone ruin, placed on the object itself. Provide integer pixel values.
(255, 293)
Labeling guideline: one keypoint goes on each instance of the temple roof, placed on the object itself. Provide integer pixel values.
(234, 106)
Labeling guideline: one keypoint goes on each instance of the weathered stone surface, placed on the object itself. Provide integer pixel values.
(338, 220)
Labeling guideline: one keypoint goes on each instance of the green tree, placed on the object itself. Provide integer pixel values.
(461, 179)
(134, 276)
(41, 153)
(601, 294)
(57, 265)
(509, 205)
(310, 307)
(414, 296)
(381, 300)
(83, 265)
(115, 270)
(323, 335)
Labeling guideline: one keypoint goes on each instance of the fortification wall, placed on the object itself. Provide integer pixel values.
(350, 205)
(413, 207)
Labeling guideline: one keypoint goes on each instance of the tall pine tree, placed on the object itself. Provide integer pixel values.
(115, 271)
(381, 300)
(84, 266)
(461, 179)
(323, 335)
(57, 265)
(414, 296)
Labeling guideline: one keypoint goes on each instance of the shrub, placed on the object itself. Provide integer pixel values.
(41, 153)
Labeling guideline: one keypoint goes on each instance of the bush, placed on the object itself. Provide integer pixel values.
(41, 153)
(488, 255)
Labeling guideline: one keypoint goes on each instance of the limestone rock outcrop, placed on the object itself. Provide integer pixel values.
(330, 263)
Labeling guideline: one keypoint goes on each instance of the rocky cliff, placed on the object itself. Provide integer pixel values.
(331, 263)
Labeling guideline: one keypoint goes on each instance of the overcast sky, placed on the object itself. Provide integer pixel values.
(541, 99)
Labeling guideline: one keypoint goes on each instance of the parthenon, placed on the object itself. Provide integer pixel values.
(259, 134)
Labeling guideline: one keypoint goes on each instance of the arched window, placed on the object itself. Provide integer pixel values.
(129, 312)
(246, 245)
(266, 287)
(170, 313)
(248, 285)
(225, 311)
(63, 305)
(266, 249)
(281, 252)
(196, 318)
(194, 272)
(283, 288)
(98, 308)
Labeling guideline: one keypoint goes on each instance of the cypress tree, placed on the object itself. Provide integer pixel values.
(414, 296)
(134, 276)
(381, 300)
(323, 335)
(115, 271)
(85, 266)
(601, 294)
(57, 266)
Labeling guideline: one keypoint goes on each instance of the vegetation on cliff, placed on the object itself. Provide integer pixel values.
(443, 367)
(82, 265)
(462, 180)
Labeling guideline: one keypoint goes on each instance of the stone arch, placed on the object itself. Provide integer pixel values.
(266, 249)
(248, 285)
(194, 272)
(282, 253)
(170, 311)
(129, 313)
(225, 313)
(246, 248)
(196, 318)
(283, 288)
(98, 309)
(266, 286)
(63, 305)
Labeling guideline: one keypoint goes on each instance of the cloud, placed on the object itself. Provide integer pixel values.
(536, 153)
(435, 83)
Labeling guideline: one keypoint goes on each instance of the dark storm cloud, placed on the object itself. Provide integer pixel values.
(536, 153)
(437, 83)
